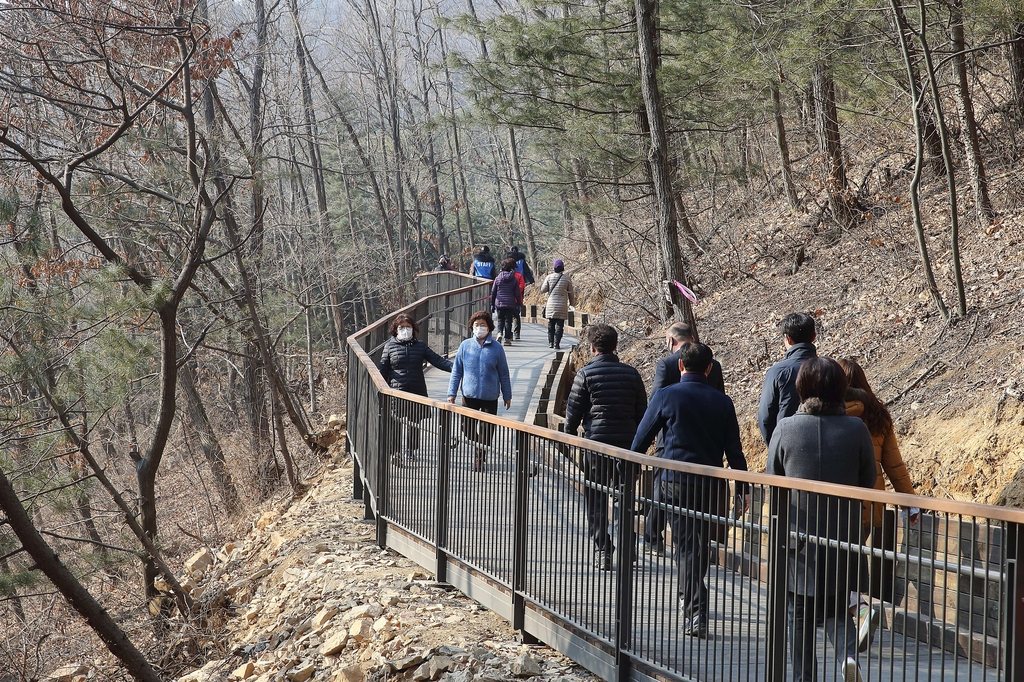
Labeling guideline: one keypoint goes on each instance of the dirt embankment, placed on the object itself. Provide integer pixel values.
(954, 390)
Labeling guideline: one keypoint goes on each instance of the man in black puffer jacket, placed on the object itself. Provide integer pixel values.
(608, 397)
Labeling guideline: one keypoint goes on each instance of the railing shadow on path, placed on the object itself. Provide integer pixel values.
(515, 538)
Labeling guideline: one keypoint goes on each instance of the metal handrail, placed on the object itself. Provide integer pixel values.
(983, 595)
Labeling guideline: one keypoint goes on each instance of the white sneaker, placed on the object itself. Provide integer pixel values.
(851, 671)
(868, 618)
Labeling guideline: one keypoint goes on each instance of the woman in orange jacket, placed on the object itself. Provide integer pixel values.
(862, 402)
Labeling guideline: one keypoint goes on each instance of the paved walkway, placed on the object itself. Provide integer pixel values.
(560, 572)
(526, 360)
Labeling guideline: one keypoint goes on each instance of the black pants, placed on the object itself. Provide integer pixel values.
(691, 537)
(413, 413)
(506, 317)
(805, 614)
(555, 328)
(479, 431)
(520, 311)
(599, 472)
(654, 524)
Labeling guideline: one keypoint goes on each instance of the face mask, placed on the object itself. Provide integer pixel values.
(404, 333)
(479, 332)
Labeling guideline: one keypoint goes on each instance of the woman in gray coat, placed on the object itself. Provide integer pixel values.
(558, 287)
(821, 443)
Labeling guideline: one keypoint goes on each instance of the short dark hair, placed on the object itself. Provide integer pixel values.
(508, 265)
(399, 319)
(603, 337)
(799, 327)
(821, 378)
(484, 317)
(696, 357)
(681, 331)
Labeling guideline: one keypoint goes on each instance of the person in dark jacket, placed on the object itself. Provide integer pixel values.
(401, 365)
(444, 264)
(522, 267)
(608, 397)
(506, 297)
(668, 374)
(698, 426)
(821, 443)
(483, 264)
(527, 279)
(778, 395)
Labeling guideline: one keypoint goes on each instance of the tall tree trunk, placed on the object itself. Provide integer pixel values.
(829, 143)
(932, 141)
(1015, 54)
(520, 188)
(783, 145)
(199, 423)
(594, 243)
(74, 592)
(915, 182)
(947, 156)
(458, 159)
(317, 169)
(968, 125)
(658, 158)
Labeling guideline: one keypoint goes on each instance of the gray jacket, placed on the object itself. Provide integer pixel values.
(821, 443)
(558, 287)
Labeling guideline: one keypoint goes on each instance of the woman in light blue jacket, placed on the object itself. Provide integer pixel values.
(481, 371)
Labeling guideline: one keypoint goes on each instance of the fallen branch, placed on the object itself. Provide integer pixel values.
(914, 383)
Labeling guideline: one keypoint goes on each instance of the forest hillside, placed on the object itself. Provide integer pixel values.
(202, 200)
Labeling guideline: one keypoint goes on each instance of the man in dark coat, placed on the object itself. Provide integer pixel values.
(608, 397)
(821, 443)
(778, 395)
(699, 426)
(668, 374)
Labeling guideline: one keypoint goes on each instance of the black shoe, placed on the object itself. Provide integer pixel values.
(696, 627)
(653, 547)
(516, 337)
(602, 560)
(558, 347)
(551, 345)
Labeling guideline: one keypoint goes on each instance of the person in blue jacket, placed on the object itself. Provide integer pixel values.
(481, 371)
(483, 264)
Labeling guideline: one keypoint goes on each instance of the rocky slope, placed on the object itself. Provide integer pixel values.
(313, 598)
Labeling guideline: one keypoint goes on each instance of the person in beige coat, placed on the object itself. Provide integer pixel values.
(862, 402)
(558, 287)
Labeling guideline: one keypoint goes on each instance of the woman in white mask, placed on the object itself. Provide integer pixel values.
(401, 365)
(481, 371)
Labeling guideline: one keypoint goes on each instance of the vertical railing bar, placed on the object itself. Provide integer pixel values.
(1013, 608)
(441, 508)
(778, 560)
(624, 587)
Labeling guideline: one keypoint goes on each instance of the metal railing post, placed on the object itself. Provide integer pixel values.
(624, 577)
(443, 479)
(1013, 605)
(447, 326)
(357, 481)
(382, 472)
(778, 565)
(519, 530)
